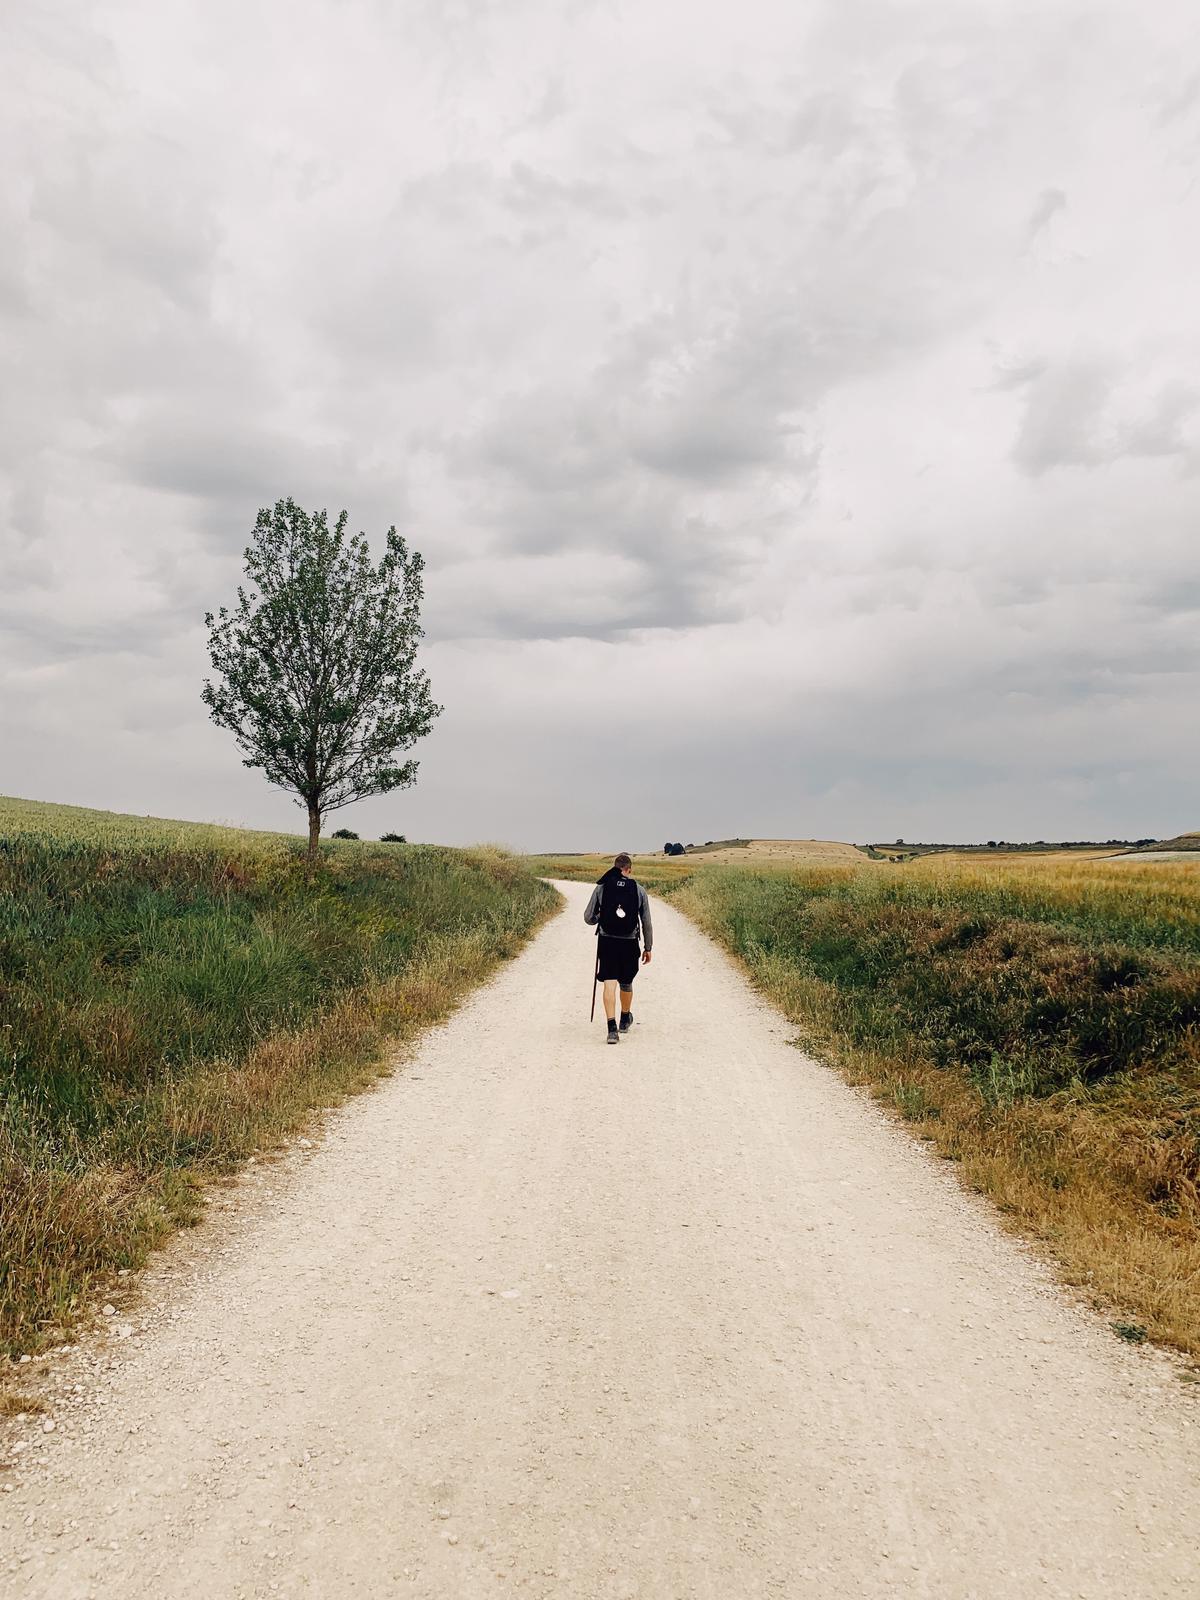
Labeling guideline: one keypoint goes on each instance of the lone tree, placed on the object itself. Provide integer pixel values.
(315, 667)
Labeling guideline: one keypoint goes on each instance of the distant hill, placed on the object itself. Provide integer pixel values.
(763, 852)
(787, 852)
(906, 850)
(48, 819)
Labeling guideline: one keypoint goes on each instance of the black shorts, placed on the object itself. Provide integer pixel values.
(619, 960)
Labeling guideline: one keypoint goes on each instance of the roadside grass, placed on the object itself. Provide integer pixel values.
(1036, 1019)
(1040, 1030)
(169, 1008)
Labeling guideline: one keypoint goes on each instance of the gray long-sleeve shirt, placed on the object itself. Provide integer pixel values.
(592, 916)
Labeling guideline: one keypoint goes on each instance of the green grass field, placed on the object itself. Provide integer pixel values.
(174, 997)
(1037, 1019)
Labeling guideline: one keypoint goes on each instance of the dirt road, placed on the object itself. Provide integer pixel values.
(683, 1318)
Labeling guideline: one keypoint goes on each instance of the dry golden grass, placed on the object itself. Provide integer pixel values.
(1103, 1174)
(1042, 860)
(655, 871)
(1166, 893)
(1104, 1170)
(173, 1003)
(1073, 1179)
(67, 1231)
(1076, 1174)
(18, 1402)
(784, 853)
(1034, 860)
(756, 854)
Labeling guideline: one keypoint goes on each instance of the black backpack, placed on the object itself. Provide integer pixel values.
(619, 908)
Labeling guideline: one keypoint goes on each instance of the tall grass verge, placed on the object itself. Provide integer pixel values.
(1044, 1033)
(166, 1010)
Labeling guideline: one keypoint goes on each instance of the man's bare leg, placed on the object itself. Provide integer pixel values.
(610, 999)
(626, 1010)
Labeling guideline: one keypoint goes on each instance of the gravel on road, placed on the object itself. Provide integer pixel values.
(680, 1320)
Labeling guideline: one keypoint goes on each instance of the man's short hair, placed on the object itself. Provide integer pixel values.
(623, 860)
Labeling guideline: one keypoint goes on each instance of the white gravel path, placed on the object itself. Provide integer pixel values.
(683, 1318)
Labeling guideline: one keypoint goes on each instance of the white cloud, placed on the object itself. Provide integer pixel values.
(803, 392)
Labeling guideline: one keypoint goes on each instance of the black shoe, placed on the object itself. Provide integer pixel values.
(613, 1036)
(626, 1021)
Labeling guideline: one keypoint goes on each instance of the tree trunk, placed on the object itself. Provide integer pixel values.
(314, 836)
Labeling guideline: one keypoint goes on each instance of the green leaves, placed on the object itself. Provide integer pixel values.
(315, 668)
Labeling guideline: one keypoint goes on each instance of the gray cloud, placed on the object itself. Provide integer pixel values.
(1076, 415)
(1049, 203)
(746, 378)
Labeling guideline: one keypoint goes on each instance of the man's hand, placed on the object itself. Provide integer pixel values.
(645, 957)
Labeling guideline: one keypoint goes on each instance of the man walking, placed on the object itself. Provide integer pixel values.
(618, 905)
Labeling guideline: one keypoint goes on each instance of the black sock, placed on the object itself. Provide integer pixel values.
(612, 1023)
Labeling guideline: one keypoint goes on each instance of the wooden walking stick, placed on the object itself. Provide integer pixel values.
(595, 981)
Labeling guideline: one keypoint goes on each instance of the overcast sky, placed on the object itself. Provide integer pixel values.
(797, 402)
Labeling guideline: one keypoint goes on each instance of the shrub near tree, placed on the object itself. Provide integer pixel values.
(316, 674)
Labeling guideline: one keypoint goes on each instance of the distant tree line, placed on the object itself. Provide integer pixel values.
(1051, 844)
(1004, 844)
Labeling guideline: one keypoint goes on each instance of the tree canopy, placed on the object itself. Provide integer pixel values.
(315, 667)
